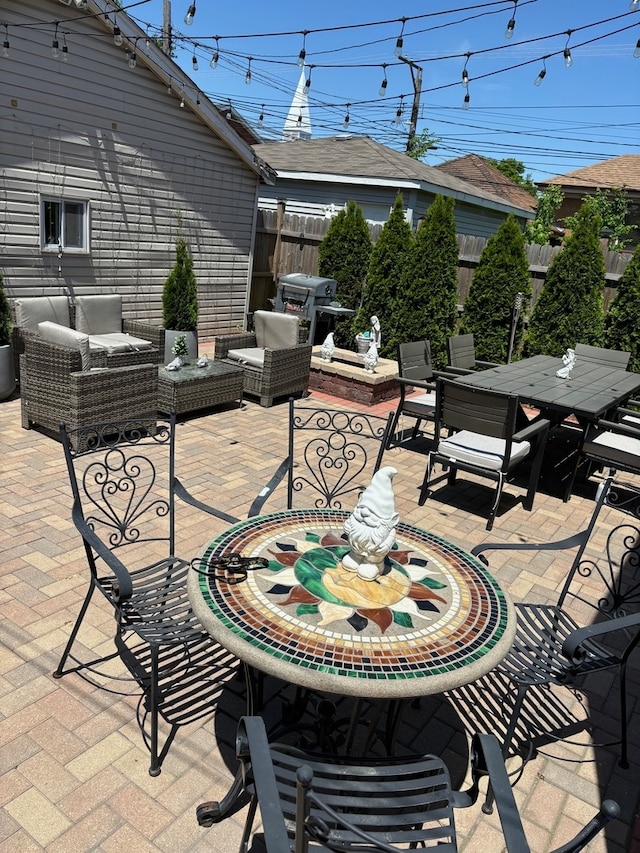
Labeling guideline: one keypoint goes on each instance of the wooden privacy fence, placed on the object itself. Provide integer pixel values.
(287, 243)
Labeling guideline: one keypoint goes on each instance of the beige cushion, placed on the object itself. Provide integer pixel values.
(99, 315)
(275, 331)
(615, 447)
(482, 450)
(33, 310)
(253, 356)
(118, 342)
(56, 334)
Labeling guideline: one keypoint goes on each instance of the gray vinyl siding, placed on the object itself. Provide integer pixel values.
(93, 129)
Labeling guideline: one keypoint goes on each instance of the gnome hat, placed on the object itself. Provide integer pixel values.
(378, 496)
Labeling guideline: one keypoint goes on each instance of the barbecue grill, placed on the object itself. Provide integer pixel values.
(310, 297)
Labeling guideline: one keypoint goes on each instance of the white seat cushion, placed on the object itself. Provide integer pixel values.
(99, 315)
(631, 420)
(253, 356)
(54, 333)
(617, 441)
(118, 342)
(484, 451)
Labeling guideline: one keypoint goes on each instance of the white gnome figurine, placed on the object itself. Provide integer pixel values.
(371, 358)
(376, 334)
(326, 352)
(569, 361)
(371, 527)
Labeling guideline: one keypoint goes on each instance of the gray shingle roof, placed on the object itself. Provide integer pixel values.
(622, 171)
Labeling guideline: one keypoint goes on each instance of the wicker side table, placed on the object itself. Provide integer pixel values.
(192, 387)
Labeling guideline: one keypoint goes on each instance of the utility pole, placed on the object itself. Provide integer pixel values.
(416, 78)
(167, 41)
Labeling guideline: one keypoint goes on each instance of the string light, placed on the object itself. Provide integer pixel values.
(117, 36)
(65, 49)
(307, 82)
(345, 123)
(511, 25)
(383, 86)
(191, 13)
(54, 44)
(169, 89)
(399, 111)
(465, 73)
(215, 57)
(247, 76)
(636, 52)
(299, 122)
(541, 75)
(194, 60)
(133, 61)
(182, 101)
(465, 102)
(568, 59)
(261, 117)
(5, 43)
(399, 40)
(634, 5)
(303, 53)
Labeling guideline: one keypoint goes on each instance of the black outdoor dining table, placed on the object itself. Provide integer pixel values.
(590, 392)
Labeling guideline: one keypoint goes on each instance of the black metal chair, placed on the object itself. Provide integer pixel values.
(600, 355)
(415, 371)
(461, 350)
(484, 438)
(124, 490)
(307, 802)
(331, 458)
(594, 624)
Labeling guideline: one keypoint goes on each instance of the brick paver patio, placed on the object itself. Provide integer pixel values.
(72, 764)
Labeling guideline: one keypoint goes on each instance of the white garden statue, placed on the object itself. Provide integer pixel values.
(371, 358)
(569, 361)
(328, 347)
(371, 527)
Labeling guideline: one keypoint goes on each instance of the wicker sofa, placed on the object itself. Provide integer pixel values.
(114, 341)
(274, 363)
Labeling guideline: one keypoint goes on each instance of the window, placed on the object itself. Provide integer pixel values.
(63, 224)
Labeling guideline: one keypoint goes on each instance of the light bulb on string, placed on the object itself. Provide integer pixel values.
(147, 40)
(261, 117)
(215, 57)
(465, 73)
(169, 89)
(303, 53)
(198, 98)
(399, 111)
(299, 121)
(133, 60)
(511, 24)
(465, 102)
(247, 76)
(307, 82)
(55, 44)
(399, 40)
(65, 49)
(182, 102)
(194, 61)
(634, 5)
(5, 43)
(568, 59)
(345, 123)
(541, 75)
(636, 52)
(382, 91)
(117, 36)
(191, 13)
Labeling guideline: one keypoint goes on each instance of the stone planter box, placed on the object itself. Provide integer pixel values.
(345, 377)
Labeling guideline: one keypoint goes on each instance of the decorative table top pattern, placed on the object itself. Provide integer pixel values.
(435, 618)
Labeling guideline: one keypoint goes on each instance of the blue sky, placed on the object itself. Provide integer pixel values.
(576, 116)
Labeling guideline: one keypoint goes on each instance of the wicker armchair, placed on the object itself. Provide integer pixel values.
(274, 363)
(55, 388)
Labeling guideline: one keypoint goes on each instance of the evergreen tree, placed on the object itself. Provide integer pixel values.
(385, 269)
(622, 326)
(569, 309)
(5, 317)
(180, 292)
(426, 301)
(344, 255)
(502, 273)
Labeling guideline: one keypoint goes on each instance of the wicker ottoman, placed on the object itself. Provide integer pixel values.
(192, 387)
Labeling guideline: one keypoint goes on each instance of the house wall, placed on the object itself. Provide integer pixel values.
(93, 129)
(309, 198)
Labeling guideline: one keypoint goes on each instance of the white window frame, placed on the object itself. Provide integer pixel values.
(59, 241)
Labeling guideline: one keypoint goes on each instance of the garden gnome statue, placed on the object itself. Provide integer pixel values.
(371, 527)
(569, 361)
(375, 331)
(326, 351)
(371, 358)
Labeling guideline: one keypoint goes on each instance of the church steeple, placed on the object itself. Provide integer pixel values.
(298, 121)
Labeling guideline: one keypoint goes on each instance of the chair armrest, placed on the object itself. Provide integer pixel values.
(146, 331)
(615, 426)
(457, 371)
(187, 497)
(536, 429)
(263, 496)
(124, 587)
(239, 340)
(428, 385)
(485, 365)
(571, 648)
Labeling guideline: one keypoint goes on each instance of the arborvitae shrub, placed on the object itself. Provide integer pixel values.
(622, 323)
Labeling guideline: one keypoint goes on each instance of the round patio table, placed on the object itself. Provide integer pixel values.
(434, 619)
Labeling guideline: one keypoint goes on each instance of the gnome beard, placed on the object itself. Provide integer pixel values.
(371, 527)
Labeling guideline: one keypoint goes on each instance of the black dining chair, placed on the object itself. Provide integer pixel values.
(600, 355)
(415, 371)
(124, 490)
(461, 350)
(332, 455)
(593, 625)
(307, 802)
(484, 438)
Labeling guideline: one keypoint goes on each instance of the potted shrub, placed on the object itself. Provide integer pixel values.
(7, 372)
(180, 304)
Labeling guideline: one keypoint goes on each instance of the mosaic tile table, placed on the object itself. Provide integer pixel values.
(433, 620)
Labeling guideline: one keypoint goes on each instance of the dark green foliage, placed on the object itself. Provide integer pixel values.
(344, 255)
(180, 293)
(385, 269)
(426, 302)
(570, 307)
(5, 317)
(514, 170)
(622, 323)
(502, 272)
(538, 230)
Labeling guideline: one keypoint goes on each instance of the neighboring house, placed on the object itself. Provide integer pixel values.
(105, 159)
(479, 172)
(317, 177)
(622, 172)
